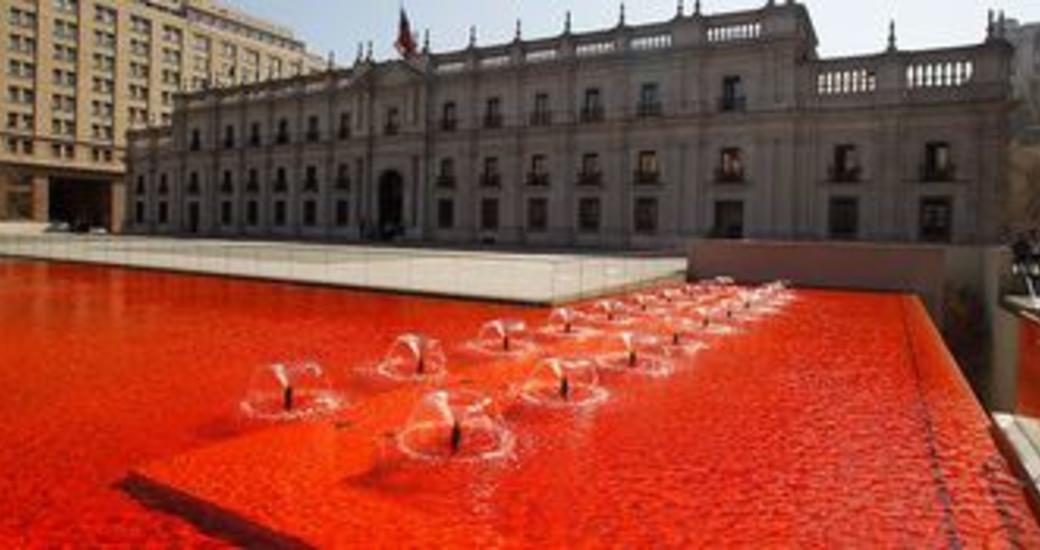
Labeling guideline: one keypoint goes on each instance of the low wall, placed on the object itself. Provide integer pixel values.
(1028, 402)
(921, 270)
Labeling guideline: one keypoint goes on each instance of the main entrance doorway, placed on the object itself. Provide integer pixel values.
(391, 205)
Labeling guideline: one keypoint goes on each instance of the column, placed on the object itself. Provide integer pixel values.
(40, 198)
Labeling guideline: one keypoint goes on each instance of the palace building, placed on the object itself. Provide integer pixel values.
(727, 125)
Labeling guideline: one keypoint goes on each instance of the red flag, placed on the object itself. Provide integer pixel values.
(405, 41)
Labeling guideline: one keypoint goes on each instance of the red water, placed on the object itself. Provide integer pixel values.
(840, 422)
(1029, 368)
(103, 370)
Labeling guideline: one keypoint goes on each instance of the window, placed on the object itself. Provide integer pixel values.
(279, 213)
(648, 171)
(310, 213)
(646, 215)
(343, 177)
(254, 134)
(281, 184)
(590, 173)
(592, 108)
(392, 122)
(164, 212)
(252, 213)
(139, 212)
(229, 137)
(491, 176)
(729, 219)
(541, 115)
(445, 214)
(589, 214)
(731, 166)
(164, 188)
(193, 184)
(649, 100)
(196, 140)
(936, 219)
(313, 129)
(342, 212)
(537, 214)
(938, 164)
(253, 182)
(344, 126)
(226, 186)
(493, 113)
(846, 167)
(283, 132)
(732, 94)
(843, 217)
(225, 213)
(539, 175)
(449, 116)
(310, 180)
(489, 214)
(446, 177)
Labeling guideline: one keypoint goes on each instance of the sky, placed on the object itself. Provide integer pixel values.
(844, 27)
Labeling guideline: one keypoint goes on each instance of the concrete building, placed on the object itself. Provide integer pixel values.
(80, 73)
(726, 125)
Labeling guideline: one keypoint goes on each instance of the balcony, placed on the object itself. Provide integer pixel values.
(492, 121)
(648, 109)
(541, 118)
(733, 104)
(931, 173)
(491, 180)
(445, 181)
(391, 129)
(229, 144)
(729, 176)
(281, 139)
(537, 179)
(643, 177)
(254, 141)
(344, 133)
(342, 183)
(844, 174)
(449, 125)
(313, 137)
(592, 114)
(590, 179)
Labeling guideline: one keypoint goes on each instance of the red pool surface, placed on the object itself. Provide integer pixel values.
(1029, 367)
(842, 421)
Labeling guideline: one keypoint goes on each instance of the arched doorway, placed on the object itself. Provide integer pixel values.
(391, 204)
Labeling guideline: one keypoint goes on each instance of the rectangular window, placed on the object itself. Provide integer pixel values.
(541, 115)
(139, 212)
(229, 137)
(589, 214)
(310, 181)
(649, 100)
(537, 214)
(846, 167)
(646, 215)
(732, 94)
(279, 213)
(539, 173)
(225, 212)
(489, 214)
(843, 214)
(648, 170)
(344, 125)
(342, 213)
(283, 132)
(252, 213)
(936, 219)
(164, 212)
(493, 113)
(449, 117)
(310, 213)
(592, 108)
(446, 177)
(731, 165)
(313, 129)
(590, 172)
(938, 163)
(392, 122)
(729, 219)
(445, 214)
(491, 176)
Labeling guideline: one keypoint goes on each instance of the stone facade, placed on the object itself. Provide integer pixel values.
(723, 125)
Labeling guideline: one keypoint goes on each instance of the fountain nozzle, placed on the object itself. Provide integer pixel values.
(505, 342)
(565, 388)
(287, 398)
(456, 436)
(632, 361)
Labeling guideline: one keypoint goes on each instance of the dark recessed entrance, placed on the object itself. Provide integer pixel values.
(81, 203)
(391, 204)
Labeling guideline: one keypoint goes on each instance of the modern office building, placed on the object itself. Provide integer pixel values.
(727, 125)
(79, 73)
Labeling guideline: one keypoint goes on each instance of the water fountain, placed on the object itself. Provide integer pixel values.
(413, 357)
(502, 337)
(458, 425)
(290, 391)
(714, 319)
(640, 353)
(611, 312)
(567, 323)
(557, 382)
(681, 336)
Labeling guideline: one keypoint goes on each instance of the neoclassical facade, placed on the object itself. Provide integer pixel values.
(725, 125)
